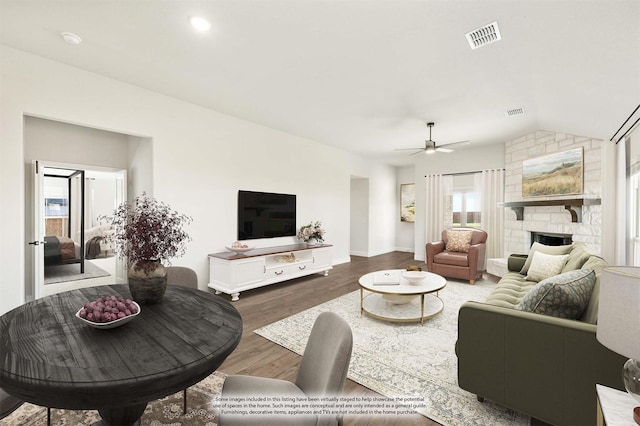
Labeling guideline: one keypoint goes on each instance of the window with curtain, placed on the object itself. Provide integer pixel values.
(466, 209)
(465, 201)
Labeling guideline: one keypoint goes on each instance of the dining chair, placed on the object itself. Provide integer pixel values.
(184, 277)
(322, 373)
(8, 404)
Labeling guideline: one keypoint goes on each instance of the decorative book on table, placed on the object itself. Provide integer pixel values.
(386, 278)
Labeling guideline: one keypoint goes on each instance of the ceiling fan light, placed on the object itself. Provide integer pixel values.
(430, 150)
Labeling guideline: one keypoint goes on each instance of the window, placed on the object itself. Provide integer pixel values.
(466, 208)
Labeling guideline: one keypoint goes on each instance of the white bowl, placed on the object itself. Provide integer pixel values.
(110, 324)
(414, 277)
(239, 250)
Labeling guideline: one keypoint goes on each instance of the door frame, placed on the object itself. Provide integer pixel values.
(35, 257)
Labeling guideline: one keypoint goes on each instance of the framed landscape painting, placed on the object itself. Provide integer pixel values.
(408, 202)
(560, 173)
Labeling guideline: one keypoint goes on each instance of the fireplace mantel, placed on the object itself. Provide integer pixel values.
(572, 205)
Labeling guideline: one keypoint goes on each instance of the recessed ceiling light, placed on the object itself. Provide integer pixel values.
(199, 23)
(71, 38)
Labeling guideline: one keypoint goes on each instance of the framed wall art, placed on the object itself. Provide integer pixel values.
(408, 202)
(561, 173)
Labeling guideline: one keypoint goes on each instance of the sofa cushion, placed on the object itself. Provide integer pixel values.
(459, 241)
(565, 296)
(577, 257)
(557, 250)
(451, 258)
(510, 290)
(545, 266)
(591, 313)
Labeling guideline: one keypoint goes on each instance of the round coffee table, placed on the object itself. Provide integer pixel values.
(386, 295)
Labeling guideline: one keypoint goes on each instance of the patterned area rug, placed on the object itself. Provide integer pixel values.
(202, 410)
(406, 359)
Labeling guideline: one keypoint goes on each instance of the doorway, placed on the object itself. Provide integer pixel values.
(67, 226)
(359, 217)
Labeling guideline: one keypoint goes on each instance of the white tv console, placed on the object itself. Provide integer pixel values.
(232, 273)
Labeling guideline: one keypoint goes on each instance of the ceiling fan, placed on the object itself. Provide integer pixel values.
(430, 146)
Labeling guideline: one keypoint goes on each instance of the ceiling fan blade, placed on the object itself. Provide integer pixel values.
(456, 143)
(408, 149)
(446, 150)
(418, 152)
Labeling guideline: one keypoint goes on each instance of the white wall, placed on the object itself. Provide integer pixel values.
(200, 159)
(466, 160)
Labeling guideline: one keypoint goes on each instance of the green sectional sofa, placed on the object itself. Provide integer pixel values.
(544, 366)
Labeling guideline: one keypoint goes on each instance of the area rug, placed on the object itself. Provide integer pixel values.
(406, 360)
(202, 410)
(63, 273)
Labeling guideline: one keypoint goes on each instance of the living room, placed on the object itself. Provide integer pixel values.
(197, 153)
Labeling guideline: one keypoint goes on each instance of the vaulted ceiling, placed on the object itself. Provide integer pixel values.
(362, 75)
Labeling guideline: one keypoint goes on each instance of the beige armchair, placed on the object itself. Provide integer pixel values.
(460, 254)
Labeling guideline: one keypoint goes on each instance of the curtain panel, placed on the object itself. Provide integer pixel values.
(438, 206)
(490, 185)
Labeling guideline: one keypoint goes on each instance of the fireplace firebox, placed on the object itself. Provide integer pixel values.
(551, 239)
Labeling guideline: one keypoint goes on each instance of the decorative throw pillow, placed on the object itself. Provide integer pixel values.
(545, 266)
(459, 240)
(564, 296)
(544, 249)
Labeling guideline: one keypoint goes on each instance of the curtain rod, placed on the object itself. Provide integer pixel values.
(625, 122)
(628, 130)
(464, 173)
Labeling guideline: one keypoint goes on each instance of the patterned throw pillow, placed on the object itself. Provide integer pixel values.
(537, 247)
(545, 266)
(564, 296)
(459, 240)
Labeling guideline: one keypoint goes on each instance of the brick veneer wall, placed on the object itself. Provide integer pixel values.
(553, 219)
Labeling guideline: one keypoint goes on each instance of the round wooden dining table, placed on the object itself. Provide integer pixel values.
(51, 358)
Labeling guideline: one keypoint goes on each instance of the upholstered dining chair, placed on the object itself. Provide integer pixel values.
(8, 404)
(322, 373)
(183, 277)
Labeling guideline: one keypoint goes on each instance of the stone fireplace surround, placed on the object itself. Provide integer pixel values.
(551, 219)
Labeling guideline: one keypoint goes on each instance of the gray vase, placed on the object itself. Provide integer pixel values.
(147, 284)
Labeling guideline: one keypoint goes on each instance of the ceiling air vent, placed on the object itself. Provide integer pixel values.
(484, 35)
(514, 111)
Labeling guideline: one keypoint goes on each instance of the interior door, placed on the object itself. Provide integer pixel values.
(121, 197)
(35, 256)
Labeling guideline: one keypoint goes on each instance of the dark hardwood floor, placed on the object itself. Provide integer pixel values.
(258, 356)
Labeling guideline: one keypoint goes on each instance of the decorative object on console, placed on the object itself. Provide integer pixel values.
(239, 248)
(288, 258)
(560, 173)
(312, 233)
(619, 320)
(148, 232)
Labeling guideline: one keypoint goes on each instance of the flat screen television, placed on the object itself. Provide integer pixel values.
(266, 215)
